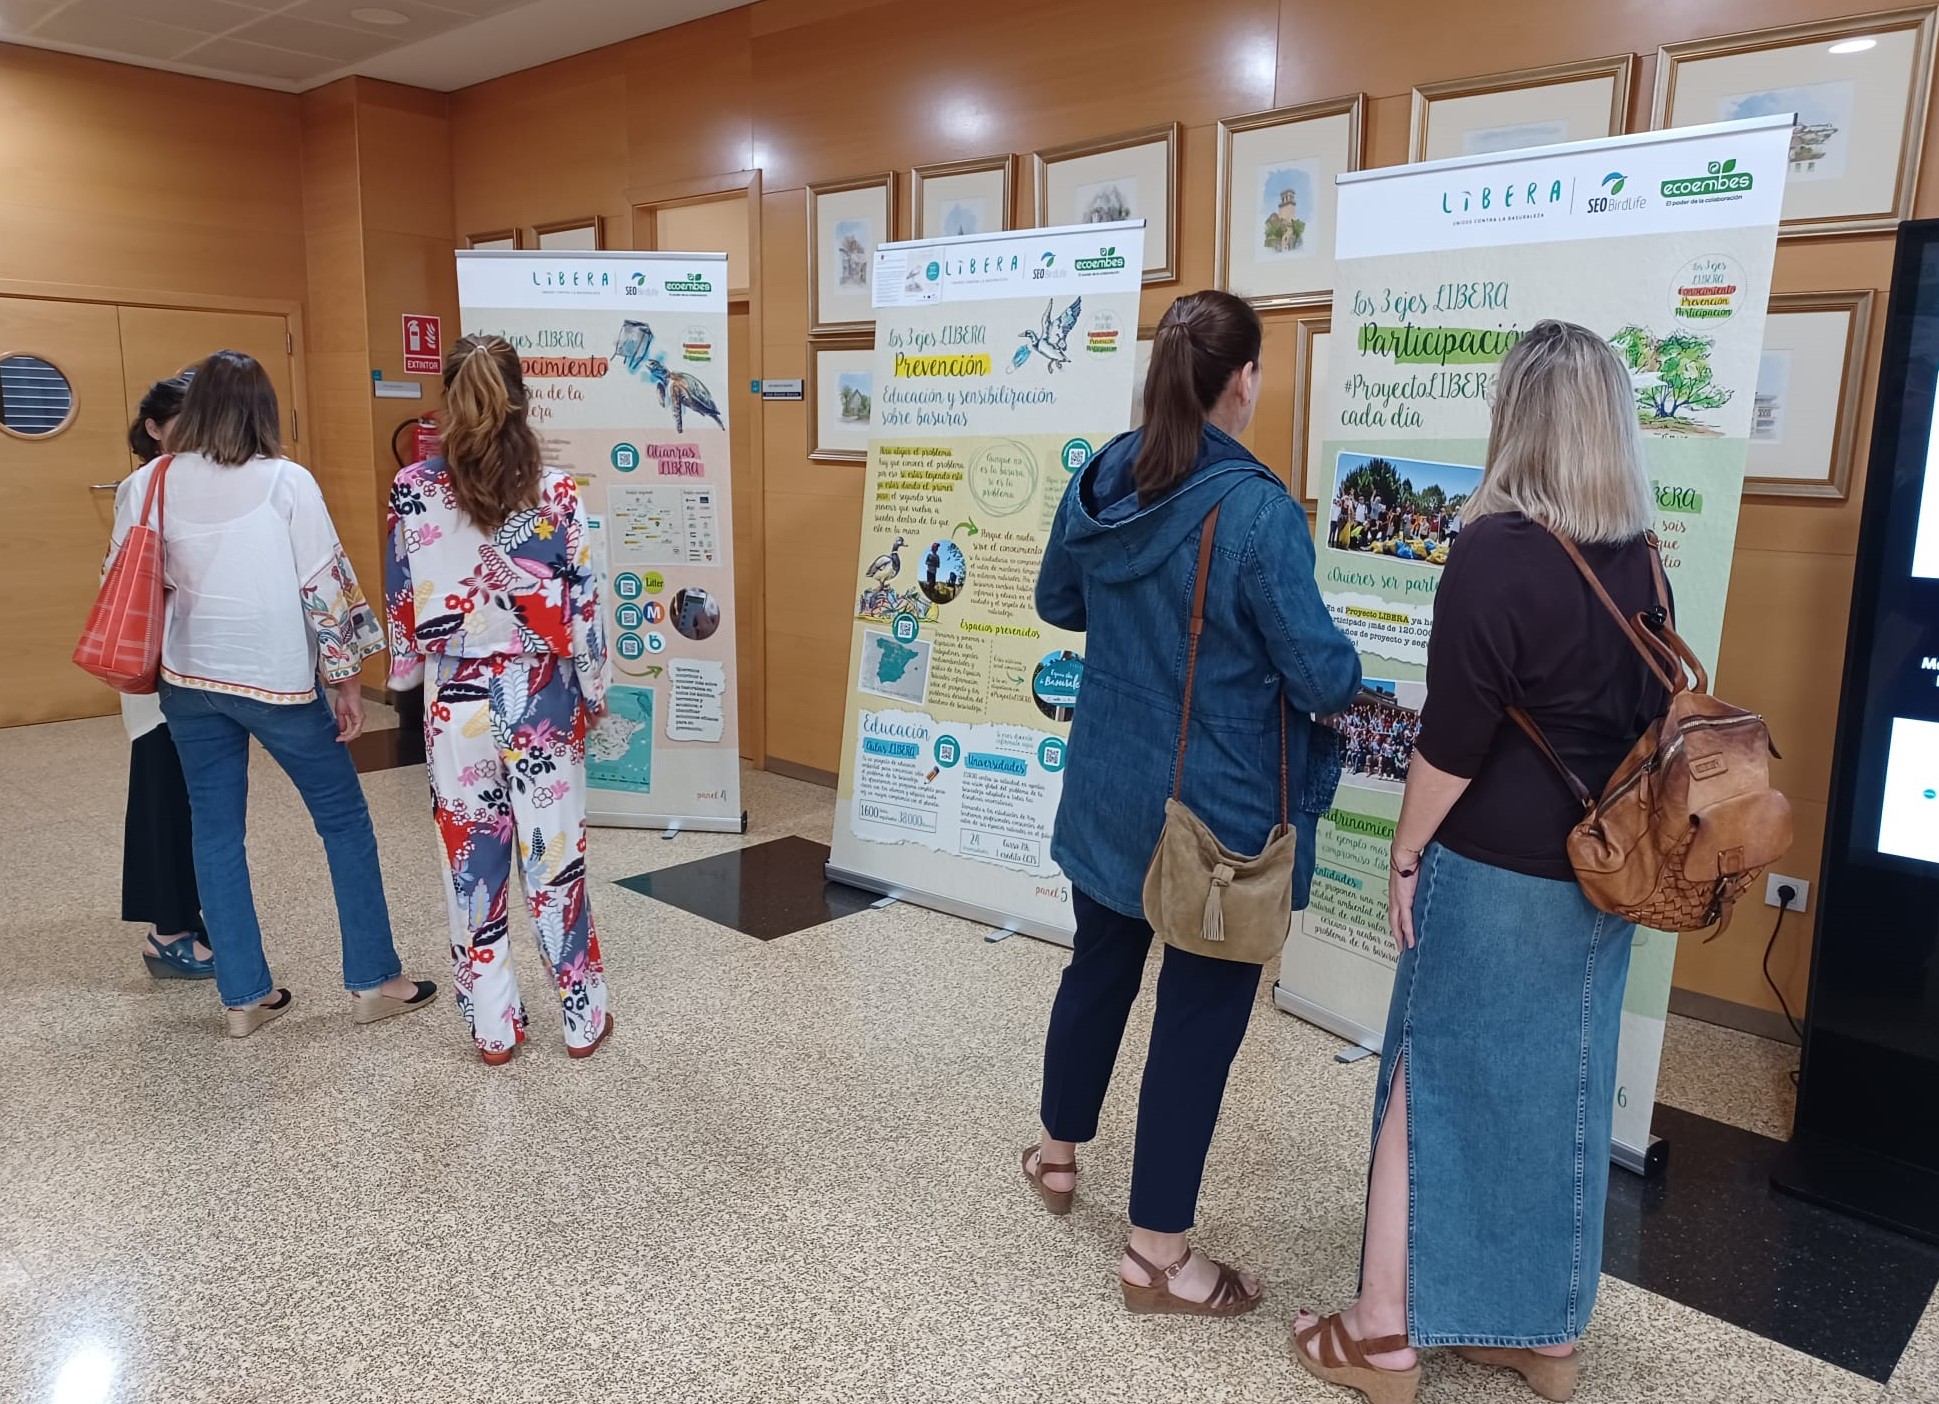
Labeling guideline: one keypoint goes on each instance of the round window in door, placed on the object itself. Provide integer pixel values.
(36, 402)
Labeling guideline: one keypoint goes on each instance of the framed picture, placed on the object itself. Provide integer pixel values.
(1140, 368)
(1804, 425)
(846, 220)
(1276, 199)
(841, 399)
(582, 233)
(495, 239)
(1529, 107)
(1858, 88)
(1134, 176)
(961, 197)
(1313, 336)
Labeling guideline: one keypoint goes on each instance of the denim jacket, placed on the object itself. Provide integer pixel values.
(1123, 574)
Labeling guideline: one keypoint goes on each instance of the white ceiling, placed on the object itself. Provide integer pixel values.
(294, 45)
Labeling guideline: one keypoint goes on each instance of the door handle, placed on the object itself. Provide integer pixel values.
(104, 487)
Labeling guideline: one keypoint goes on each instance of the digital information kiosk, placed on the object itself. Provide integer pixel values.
(1867, 1137)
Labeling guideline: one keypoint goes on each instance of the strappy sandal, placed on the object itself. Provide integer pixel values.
(1342, 1360)
(1057, 1202)
(1551, 1376)
(1229, 1297)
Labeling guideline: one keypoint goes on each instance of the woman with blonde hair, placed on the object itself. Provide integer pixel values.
(1491, 1126)
(491, 591)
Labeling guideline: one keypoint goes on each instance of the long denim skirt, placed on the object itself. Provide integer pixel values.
(1507, 1012)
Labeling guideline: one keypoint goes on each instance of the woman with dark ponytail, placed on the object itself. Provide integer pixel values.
(491, 584)
(1120, 567)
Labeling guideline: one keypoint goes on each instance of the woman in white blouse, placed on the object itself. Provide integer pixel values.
(261, 604)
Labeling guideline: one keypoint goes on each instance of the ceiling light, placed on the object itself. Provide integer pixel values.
(376, 16)
(1854, 46)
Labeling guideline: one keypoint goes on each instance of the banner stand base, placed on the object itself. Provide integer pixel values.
(1646, 1161)
(1004, 922)
(674, 822)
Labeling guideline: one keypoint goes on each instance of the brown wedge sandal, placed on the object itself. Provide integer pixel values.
(1551, 1376)
(1229, 1297)
(1342, 1360)
(1057, 1202)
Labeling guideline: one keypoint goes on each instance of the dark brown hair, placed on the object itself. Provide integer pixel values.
(161, 404)
(1202, 339)
(229, 415)
(490, 451)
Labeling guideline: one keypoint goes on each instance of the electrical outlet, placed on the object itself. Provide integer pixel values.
(1800, 901)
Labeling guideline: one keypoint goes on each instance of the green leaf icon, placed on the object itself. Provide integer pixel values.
(1617, 188)
(1730, 165)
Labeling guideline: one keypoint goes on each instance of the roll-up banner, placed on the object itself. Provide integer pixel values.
(625, 359)
(1663, 242)
(1002, 363)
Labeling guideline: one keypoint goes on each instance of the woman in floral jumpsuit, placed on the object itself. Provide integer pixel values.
(491, 592)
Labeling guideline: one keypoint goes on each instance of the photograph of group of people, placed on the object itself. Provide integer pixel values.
(1399, 507)
(1378, 731)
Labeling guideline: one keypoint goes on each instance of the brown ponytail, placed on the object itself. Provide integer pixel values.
(1202, 339)
(490, 451)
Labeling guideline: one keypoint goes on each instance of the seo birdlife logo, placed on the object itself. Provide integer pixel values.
(1612, 200)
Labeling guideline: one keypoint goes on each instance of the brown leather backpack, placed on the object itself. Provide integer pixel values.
(1689, 820)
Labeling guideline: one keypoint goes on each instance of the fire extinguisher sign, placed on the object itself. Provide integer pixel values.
(423, 344)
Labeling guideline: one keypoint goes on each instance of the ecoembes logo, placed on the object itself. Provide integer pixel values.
(1724, 179)
(692, 283)
(1107, 261)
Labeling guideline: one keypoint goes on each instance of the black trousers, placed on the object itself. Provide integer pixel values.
(158, 846)
(1203, 1008)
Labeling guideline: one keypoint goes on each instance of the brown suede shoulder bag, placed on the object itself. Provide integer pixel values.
(1200, 896)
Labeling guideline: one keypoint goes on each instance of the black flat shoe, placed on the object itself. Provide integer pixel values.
(177, 960)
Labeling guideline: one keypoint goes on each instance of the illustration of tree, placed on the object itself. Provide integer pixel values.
(1675, 378)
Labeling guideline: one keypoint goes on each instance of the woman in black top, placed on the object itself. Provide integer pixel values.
(1498, 1072)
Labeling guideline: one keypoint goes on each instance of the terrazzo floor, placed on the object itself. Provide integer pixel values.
(790, 1176)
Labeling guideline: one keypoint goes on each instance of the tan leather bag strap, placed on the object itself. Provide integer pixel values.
(1205, 535)
(1633, 632)
(1205, 538)
(1576, 787)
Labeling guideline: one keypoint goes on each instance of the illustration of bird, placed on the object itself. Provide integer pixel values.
(887, 567)
(1052, 342)
(678, 390)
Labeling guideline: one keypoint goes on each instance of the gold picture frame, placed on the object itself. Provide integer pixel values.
(1509, 120)
(821, 445)
(847, 221)
(496, 239)
(1286, 277)
(1861, 79)
(565, 234)
(966, 180)
(1067, 196)
(1312, 338)
(1821, 420)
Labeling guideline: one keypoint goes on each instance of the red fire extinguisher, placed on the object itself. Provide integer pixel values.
(425, 441)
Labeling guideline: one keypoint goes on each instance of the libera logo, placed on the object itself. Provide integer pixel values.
(1107, 261)
(1499, 197)
(1723, 179)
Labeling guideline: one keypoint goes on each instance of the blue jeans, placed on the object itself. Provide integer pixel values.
(1508, 1009)
(212, 731)
(1204, 1006)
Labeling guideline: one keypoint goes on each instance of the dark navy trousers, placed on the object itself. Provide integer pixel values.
(1203, 1008)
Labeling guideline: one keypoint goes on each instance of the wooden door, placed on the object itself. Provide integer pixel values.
(60, 496)
(157, 342)
(748, 650)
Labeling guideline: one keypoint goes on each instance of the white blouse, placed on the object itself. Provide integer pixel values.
(261, 598)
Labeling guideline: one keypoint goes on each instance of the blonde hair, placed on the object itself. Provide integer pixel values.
(1563, 445)
(490, 452)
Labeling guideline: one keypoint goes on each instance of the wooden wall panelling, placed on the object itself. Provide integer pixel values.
(123, 176)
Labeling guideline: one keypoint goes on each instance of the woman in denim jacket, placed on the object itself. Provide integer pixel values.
(1120, 568)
